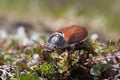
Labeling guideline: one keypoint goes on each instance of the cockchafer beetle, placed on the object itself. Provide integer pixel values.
(68, 36)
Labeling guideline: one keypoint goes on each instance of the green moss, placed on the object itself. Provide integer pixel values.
(47, 70)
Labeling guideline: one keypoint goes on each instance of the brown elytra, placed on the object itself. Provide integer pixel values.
(73, 34)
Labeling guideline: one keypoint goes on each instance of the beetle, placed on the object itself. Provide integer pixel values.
(68, 36)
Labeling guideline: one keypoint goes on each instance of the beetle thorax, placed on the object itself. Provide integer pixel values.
(56, 41)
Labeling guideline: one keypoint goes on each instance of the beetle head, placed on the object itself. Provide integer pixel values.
(56, 41)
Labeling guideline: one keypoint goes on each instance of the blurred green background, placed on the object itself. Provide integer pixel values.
(100, 16)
